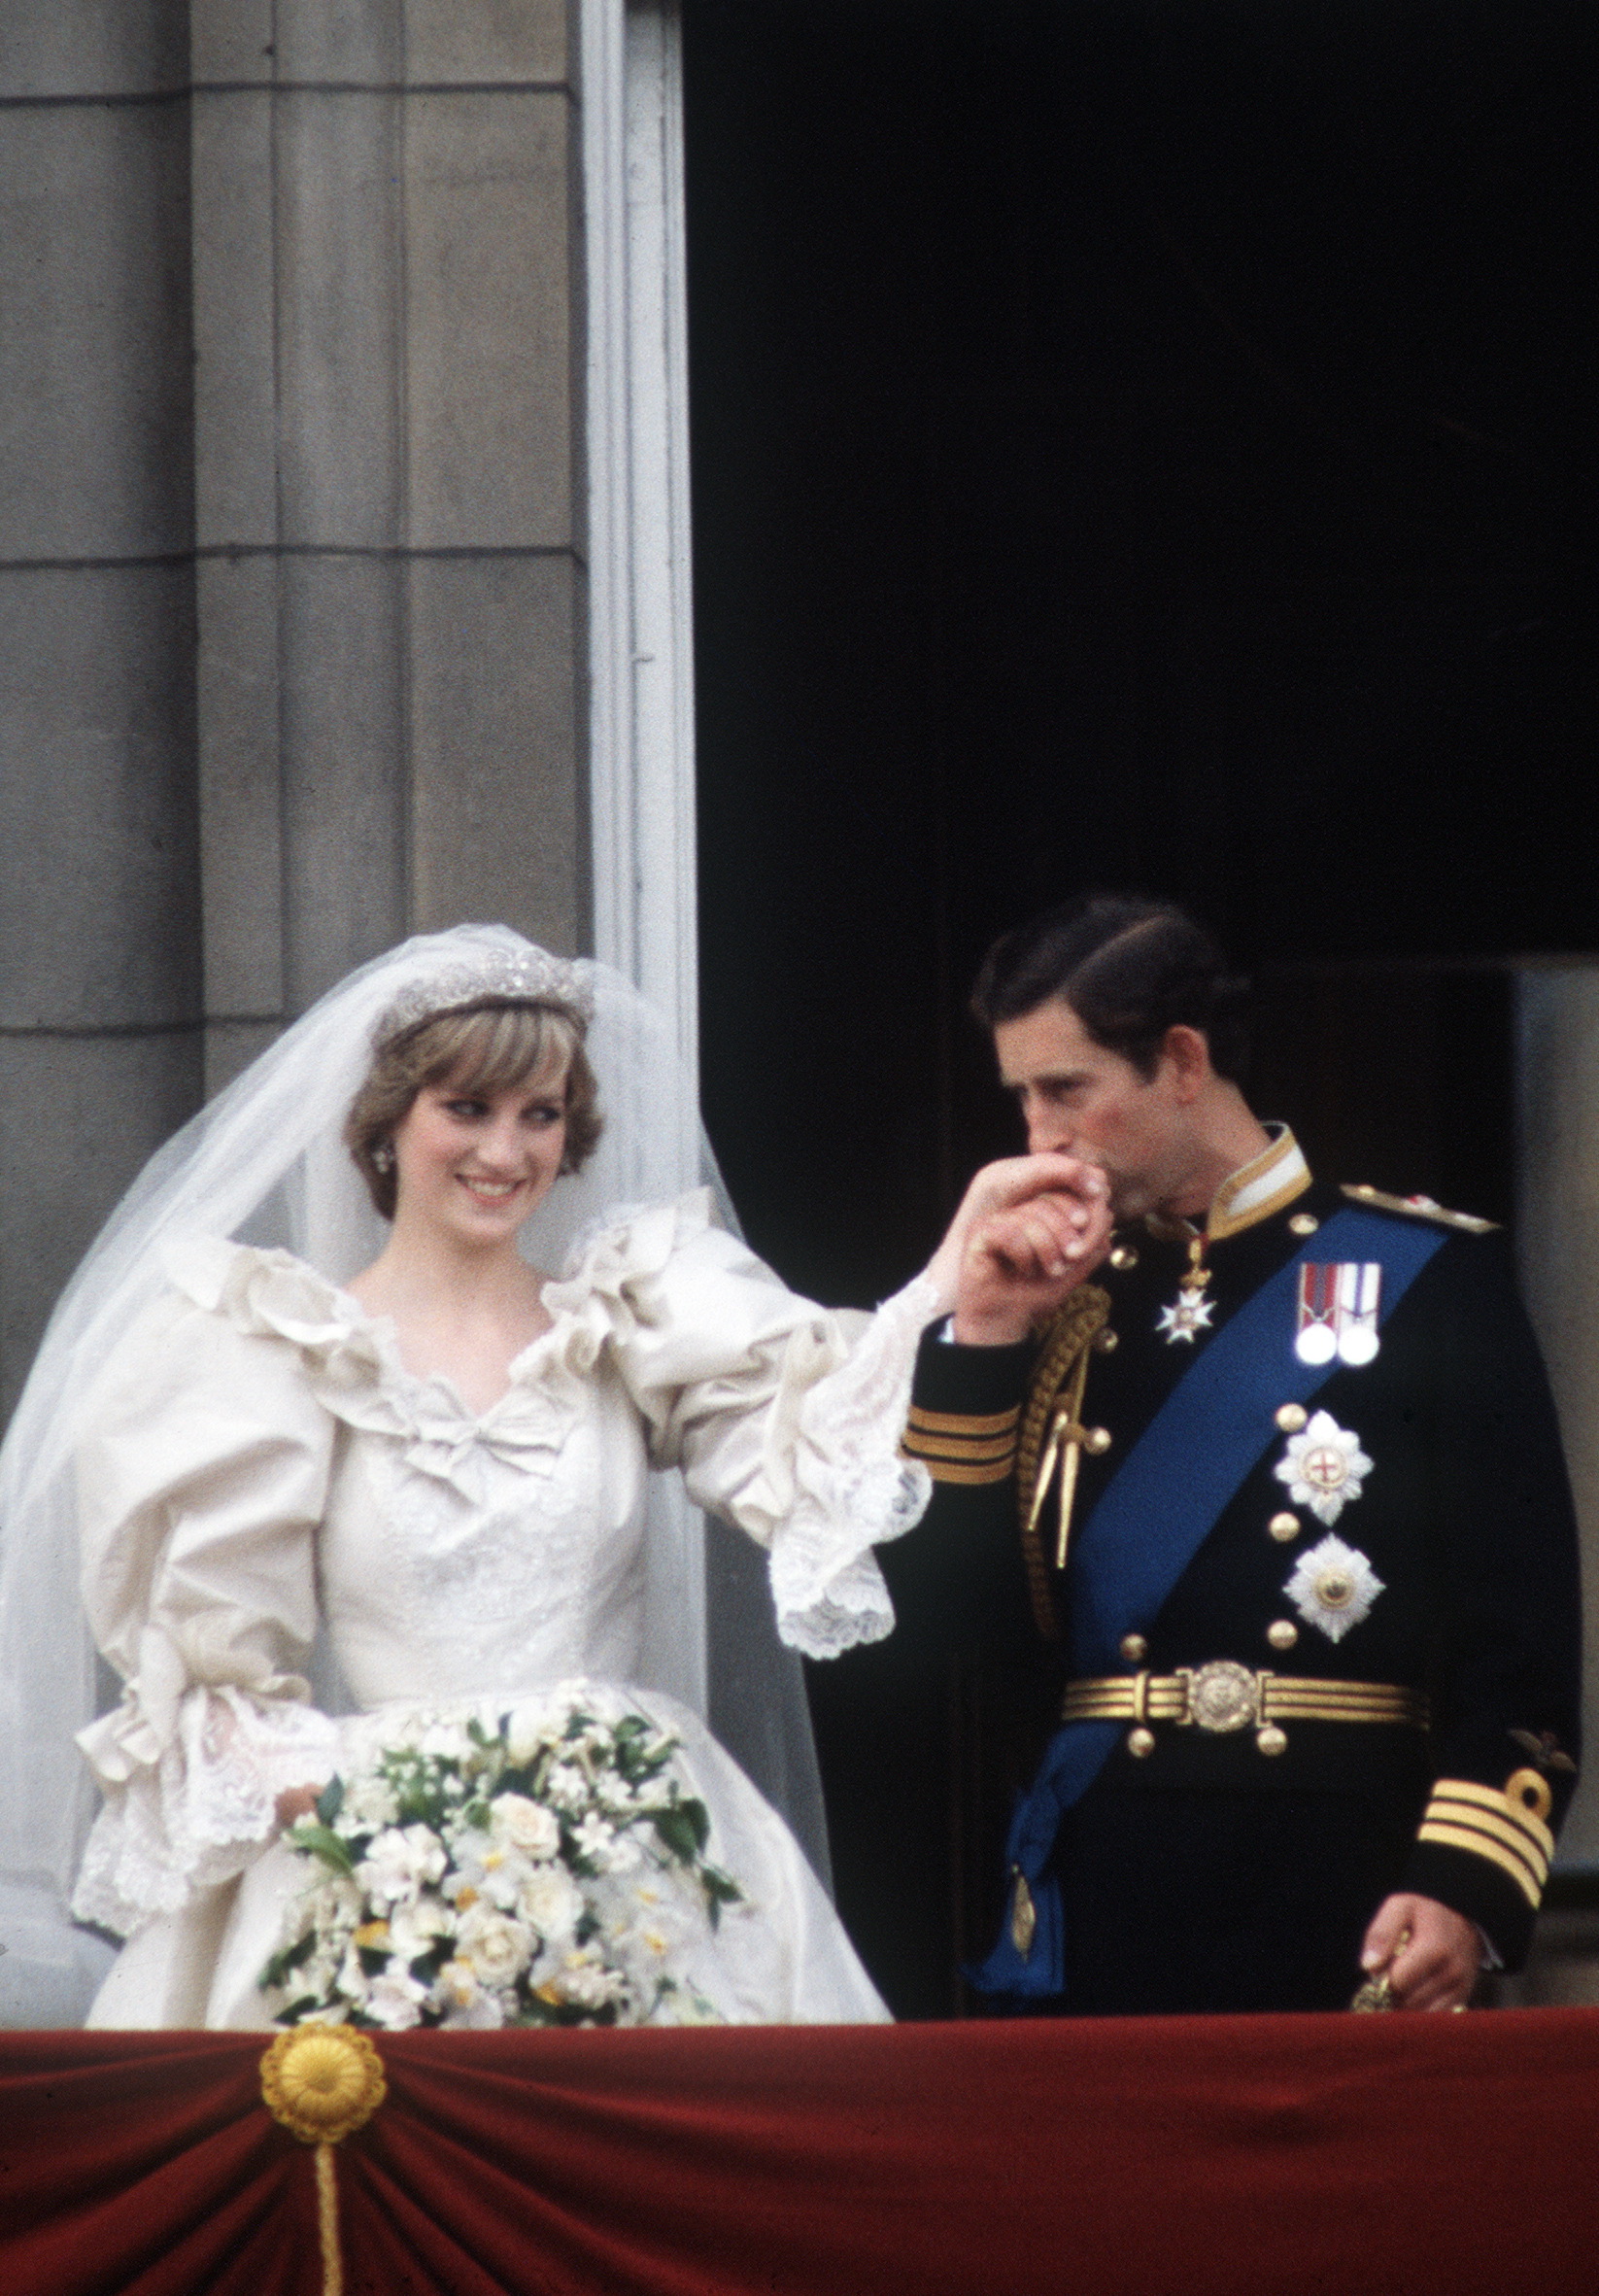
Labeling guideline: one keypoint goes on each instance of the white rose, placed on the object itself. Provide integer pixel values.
(471, 1847)
(529, 1729)
(458, 1986)
(494, 1947)
(551, 1901)
(445, 1741)
(396, 2000)
(414, 1929)
(486, 2014)
(519, 1824)
(400, 1863)
(494, 1873)
(584, 1980)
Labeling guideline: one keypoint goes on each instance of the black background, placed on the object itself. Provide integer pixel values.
(1145, 443)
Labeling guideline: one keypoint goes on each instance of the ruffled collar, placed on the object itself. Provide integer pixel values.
(353, 1361)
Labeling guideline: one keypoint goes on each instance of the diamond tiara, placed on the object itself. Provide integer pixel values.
(528, 976)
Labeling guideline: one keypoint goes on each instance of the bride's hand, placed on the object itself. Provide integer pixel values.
(295, 1802)
(1027, 1231)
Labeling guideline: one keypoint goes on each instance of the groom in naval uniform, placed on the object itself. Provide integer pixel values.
(1260, 1498)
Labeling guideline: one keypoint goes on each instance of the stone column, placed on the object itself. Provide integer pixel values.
(1557, 1229)
(99, 883)
(391, 692)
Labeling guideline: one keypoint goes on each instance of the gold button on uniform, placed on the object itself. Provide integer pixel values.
(1283, 1634)
(1133, 1649)
(1096, 1440)
(1123, 1256)
(1272, 1740)
(1283, 1528)
(1303, 1223)
(1140, 1742)
(1291, 1416)
(1104, 1339)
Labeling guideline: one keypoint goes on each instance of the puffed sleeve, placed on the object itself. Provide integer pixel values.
(203, 1466)
(784, 1417)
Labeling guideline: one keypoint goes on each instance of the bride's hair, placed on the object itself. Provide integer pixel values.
(496, 1044)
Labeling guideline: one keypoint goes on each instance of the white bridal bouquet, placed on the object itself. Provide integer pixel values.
(540, 1866)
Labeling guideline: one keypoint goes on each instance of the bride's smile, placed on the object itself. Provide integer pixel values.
(475, 1164)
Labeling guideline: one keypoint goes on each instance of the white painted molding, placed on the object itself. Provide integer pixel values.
(641, 614)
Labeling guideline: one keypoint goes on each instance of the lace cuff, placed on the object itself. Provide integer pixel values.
(853, 1489)
(198, 1812)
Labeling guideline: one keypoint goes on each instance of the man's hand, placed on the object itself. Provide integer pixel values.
(1435, 1966)
(1028, 1232)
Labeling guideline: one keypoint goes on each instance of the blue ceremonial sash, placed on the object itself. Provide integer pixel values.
(1178, 1479)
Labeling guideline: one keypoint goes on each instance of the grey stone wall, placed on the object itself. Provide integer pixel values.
(386, 486)
(291, 602)
(101, 962)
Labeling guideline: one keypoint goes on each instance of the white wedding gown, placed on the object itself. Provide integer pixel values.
(255, 1458)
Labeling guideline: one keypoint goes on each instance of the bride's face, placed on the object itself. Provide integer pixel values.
(475, 1164)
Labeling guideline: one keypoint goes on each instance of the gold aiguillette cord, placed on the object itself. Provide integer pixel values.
(1054, 1436)
(1063, 1453)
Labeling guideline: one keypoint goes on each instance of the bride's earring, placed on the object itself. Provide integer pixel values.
(383, 1157)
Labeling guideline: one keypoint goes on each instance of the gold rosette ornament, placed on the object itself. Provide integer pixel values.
(323, 2082)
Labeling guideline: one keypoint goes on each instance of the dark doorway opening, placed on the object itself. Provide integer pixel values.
(1142, 442)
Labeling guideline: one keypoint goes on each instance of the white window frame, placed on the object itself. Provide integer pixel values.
(640, 592)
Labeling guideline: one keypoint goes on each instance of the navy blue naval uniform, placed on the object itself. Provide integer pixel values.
(1237, 1868)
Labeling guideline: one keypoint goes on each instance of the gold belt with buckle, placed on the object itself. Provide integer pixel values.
(1224, 1695)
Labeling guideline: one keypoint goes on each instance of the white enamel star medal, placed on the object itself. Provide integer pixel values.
(1324, 1467)
(1190, 1312)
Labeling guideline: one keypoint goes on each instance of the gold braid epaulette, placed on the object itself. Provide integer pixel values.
(1073, 1332)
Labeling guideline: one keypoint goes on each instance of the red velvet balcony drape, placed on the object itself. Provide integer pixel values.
(1269, 2156)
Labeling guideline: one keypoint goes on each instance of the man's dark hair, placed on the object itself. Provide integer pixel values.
(1130, 970)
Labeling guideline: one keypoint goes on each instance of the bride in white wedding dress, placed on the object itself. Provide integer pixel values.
(434, 1457)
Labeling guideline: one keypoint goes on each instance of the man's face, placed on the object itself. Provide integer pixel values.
(1080, 1098)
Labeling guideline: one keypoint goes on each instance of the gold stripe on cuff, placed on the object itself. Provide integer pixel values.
(1501, 1805)
(1464, 1813)
(922, 1446)
(961, 1422)
(1482, 1845)
(944, 1471)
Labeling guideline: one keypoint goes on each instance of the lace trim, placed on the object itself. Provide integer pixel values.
(853, 1490)
(202, 1810)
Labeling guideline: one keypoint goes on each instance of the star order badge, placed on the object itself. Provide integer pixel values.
(1333, 1587)
(1324, 1467)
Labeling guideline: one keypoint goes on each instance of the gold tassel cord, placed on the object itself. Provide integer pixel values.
(323, 2082)
(1052, 1437)
(328, 2223)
